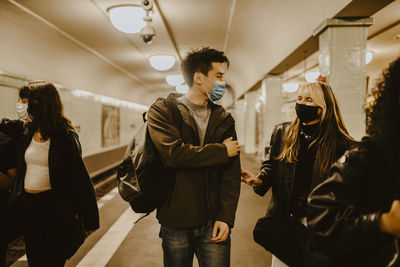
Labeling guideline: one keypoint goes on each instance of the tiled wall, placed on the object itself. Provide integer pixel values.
(85, 114)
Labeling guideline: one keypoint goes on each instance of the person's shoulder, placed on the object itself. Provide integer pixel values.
(281, 127)
(362, 152)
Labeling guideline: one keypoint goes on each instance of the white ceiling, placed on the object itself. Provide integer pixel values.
(72, 42)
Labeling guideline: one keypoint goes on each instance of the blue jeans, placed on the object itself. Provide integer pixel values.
(180, 244)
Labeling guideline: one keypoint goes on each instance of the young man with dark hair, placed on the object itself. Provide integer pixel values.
(200, 210)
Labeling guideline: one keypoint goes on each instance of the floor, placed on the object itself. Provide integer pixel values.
(121, 243)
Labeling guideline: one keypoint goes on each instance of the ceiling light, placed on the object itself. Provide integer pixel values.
(312, 76)
(127, 18)
(290, 87)
(397, 36)
(162, 62)
(182, 89)
(175, 80)
(368, 56)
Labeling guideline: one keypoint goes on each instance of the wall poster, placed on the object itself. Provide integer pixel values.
(110, 124)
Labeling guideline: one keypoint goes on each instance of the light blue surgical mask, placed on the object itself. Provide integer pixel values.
(218, 90)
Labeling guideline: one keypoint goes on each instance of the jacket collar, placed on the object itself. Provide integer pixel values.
(217, 117)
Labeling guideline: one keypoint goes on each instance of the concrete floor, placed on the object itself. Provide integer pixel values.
(141, 247)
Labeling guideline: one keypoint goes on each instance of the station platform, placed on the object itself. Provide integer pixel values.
(121, 243)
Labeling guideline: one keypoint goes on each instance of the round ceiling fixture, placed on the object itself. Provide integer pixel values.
(290, 87)
(182, 89)
(312, 76)
(127, 18)
(368, 56)
(175, 80)
(162, 62)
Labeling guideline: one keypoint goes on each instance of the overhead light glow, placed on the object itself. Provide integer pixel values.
(182, 89)
(368, 56)
(162, 62)
(312, 76)
(397, 36)
(127, 19)
(290, 87)
(175, 80)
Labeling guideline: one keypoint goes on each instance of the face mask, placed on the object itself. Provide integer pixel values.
(22, 111)
(306, 113)
(218, 90)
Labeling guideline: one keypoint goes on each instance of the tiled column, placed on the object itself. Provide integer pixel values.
(271, 93)
(342, 48)
(239, 114)
(250, 100)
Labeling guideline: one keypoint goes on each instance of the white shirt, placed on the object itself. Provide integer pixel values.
(37, 166)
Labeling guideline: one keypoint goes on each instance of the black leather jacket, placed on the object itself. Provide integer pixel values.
(345, 209)
(280, 174)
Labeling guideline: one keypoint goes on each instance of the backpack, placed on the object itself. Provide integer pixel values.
(143, 180)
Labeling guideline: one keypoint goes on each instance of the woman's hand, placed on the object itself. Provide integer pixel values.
(250, 179)
(390, 221)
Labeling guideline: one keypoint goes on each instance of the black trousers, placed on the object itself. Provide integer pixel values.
(285, 238)
(44, 247)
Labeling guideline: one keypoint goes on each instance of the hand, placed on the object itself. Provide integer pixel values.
(232, 147)
(250, 179)
(220, 232)
(88, 233)
(390, 221)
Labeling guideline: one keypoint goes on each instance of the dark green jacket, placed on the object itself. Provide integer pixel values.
(207, 182)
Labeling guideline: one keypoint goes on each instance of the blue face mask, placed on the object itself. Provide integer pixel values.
(218, 90)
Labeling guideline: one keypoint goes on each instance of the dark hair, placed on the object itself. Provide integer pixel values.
(46, 109)
(200, 61)
(383, 109)
(24, 92)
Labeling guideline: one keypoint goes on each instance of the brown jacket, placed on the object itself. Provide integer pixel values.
(207, 182)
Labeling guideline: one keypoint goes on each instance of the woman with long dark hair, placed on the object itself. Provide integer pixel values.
(356, 211)
(54, 193)
(300, 155)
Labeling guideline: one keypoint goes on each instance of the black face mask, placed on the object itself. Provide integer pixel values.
(306, 113)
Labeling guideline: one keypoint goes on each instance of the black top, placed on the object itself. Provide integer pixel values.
(8, 159)
(304, 171)
(346, 208)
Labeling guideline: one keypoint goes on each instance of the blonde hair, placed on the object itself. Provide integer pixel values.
(331, 129)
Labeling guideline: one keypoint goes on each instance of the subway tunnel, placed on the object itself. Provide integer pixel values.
(109, 74)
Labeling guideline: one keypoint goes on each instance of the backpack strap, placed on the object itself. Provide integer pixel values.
(176, 114)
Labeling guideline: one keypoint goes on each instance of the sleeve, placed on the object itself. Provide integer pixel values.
(82, 187)
(230, 187)
(12, 128)
(266, 171)
(335, 213)
(174, 152)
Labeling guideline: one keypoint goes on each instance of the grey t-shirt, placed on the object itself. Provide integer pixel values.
(201, 115)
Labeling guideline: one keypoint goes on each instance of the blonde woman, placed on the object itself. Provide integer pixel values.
(300, 155)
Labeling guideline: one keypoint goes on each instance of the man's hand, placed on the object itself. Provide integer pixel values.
(250, 179)
(220, 232)
(232, 147)
(390, 222)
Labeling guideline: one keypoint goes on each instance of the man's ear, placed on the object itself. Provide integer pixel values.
(197, 78)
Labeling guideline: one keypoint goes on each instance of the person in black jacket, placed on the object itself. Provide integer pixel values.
(356, 211)
(54, 193)
(200, 210)
(10, 131)
(7, 175)
(299, 157)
